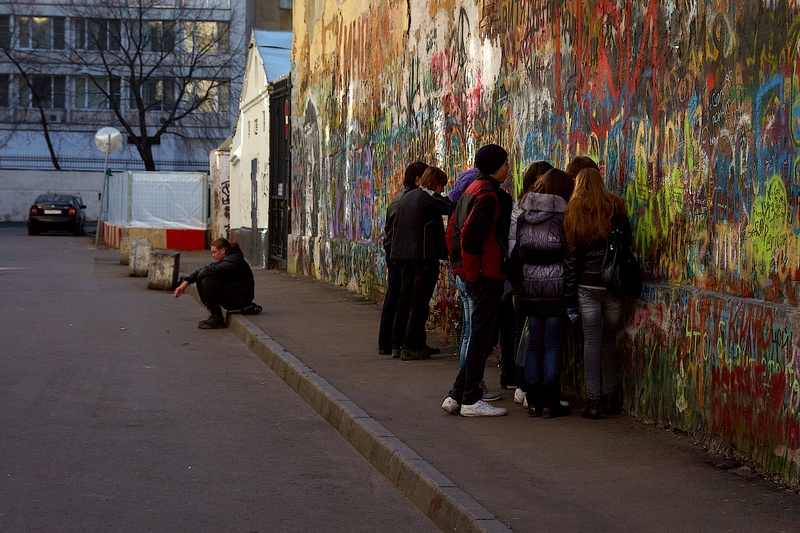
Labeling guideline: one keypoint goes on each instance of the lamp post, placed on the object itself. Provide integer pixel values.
(108, 141)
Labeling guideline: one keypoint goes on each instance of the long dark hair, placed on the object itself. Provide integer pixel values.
(224, 244)
(532, 173)
(554, 181)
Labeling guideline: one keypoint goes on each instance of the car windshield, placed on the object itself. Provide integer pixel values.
(54, 198)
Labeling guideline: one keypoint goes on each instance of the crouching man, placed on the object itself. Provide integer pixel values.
(227, 282)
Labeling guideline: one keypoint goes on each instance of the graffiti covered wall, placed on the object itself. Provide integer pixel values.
(693, 108)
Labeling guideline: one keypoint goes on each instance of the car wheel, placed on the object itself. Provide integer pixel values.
(32, 230)
(78, 229)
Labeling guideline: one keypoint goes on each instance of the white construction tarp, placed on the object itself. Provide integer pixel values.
(174, 200)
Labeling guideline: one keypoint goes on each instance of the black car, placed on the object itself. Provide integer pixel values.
(57, 212)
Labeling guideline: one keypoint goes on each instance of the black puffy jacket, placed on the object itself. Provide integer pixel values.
(541, 248)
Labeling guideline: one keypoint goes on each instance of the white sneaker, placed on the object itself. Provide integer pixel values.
(519, 395)
(481, 408)
(451, 405)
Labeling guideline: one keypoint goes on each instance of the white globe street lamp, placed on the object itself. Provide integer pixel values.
(108, 140)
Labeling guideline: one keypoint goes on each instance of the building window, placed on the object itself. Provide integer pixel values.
(255, 126)
(210, 96)
(98, 34)
(93, 93)
(5, 81)
(285, 4)
(42, 33)
(156, 94)
(5, 31)
(157, 36)
(203, 37)
(48, 92)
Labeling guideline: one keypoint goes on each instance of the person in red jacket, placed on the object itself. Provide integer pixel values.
(478, 249)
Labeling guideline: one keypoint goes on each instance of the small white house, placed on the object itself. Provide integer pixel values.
(268, 60)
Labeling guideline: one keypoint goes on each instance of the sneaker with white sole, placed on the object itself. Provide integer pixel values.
(451, 405)
(481, 408)
(519, 395)
(489, 395)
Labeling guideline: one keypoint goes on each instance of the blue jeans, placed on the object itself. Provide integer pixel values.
(601, 313)
(543, 356)
(486, 294)
(466, 321)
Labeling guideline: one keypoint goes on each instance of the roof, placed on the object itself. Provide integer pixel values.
(275, 48)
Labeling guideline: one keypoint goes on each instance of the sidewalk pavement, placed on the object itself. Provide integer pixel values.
(490, 474)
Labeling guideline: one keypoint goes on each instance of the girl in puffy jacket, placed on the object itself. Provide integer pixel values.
(541, 247)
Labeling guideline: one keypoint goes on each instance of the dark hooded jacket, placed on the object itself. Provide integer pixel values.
(541, 248)
(232, 270)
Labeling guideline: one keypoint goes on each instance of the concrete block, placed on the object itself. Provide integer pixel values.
(162, 272)
(140, 258)
(125, 246)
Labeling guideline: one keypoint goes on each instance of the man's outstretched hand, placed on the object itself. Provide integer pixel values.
(180, 289)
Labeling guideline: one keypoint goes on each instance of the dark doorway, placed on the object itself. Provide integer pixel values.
(279, 173)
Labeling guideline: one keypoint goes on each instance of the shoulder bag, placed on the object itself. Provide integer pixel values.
(620, 271)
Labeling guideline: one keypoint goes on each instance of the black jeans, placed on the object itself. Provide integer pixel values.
(486, 294)
(505, 336)
(417, 282)
(389, 305)
(215, 293)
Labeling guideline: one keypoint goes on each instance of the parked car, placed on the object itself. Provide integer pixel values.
(57, 212)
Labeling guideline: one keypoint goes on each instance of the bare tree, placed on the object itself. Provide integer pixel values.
(158, 64)
(28, 60)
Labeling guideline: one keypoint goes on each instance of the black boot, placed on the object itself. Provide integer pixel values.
(610, 404)
(592, 409)
(215, 321)
(552, 402)
(533, 393)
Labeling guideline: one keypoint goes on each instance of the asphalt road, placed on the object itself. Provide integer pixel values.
(118, 414)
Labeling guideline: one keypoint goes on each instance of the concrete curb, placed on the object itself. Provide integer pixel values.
(450, 508)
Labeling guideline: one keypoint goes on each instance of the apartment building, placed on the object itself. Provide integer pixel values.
(166, 73)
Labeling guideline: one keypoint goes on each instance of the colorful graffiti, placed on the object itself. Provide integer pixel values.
(692, 107)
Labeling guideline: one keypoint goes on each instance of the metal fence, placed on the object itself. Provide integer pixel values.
(23, 162)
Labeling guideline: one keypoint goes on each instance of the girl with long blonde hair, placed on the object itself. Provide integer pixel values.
(591, 214)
